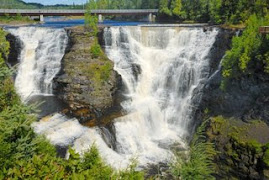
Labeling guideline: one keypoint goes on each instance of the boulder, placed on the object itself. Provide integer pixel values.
(88, 83)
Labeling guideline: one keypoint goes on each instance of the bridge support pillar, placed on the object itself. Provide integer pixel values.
(150, 17)
(41, 18)
(100, 18)
(153, 18)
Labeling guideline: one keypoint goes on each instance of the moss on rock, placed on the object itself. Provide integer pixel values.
(88, 83)
(243, 147)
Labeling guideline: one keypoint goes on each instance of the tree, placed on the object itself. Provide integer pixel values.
(102, 4)
(163, 7)
(91, 20)
(176, 7)
(214, 11)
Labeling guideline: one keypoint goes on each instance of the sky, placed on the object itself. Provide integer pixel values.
(52, 2)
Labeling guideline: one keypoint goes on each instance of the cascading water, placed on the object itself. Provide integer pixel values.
(40, 59)
(172, 62)
(161, 68)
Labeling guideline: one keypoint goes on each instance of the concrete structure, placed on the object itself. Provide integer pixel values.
(100, 12)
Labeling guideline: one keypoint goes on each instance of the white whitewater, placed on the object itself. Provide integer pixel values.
(40, 59)
(161, 67)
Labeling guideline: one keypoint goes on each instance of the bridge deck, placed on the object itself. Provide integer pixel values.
(36, 12)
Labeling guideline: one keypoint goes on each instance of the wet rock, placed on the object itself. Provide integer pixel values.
(88, 84)
(16, 46)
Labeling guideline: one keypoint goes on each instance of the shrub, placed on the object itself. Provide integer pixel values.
(96, 50)
(199, 164)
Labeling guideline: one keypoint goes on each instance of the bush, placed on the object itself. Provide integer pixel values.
(199, 165)
(96, 50)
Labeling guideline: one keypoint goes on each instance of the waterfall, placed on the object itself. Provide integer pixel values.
(162, 68)
(172, 64)
(40, 59)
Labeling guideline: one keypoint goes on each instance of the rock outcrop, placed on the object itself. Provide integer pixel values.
(245, 98)
(16, 46)
(87, 83)
(240, 133)
(243, 148)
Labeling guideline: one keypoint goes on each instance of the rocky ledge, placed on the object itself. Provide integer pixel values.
(87, 83)
(242, 148)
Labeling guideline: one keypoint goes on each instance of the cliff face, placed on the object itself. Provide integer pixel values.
(245, 98)
(240, 128)
(88, 84)
(15, 49)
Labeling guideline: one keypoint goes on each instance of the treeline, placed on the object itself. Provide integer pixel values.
(15, 4)
(124, 4)
(19, 4)
(214, 11)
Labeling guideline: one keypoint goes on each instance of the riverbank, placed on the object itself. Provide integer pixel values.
(16, 21)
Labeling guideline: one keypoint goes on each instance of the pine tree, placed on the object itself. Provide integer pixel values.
(163, 8)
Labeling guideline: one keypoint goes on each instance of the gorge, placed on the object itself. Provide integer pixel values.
(166, 79)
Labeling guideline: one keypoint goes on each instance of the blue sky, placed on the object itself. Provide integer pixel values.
(52, 2)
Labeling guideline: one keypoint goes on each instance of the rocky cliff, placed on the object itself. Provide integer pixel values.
(239, 129)
(87, 83)
(242, 148)
(15, 49)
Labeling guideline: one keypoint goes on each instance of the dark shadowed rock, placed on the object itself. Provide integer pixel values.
(15, 49)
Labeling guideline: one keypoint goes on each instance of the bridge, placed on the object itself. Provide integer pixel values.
(100, 12)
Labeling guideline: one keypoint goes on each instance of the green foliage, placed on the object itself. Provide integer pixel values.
(91, 20)
(248, 50)
(176, 7)
(4, 45)
(96, 50)
(14, 4)
(164, 8)
(214, 11)
(199, 164)
(100, 73)
(266, 157)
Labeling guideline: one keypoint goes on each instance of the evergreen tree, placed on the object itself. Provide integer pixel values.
(164, 7)
(176, 7)
(102, 4)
